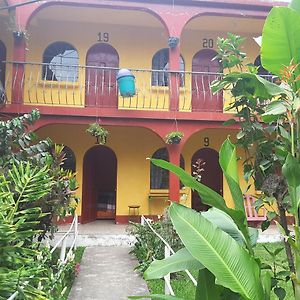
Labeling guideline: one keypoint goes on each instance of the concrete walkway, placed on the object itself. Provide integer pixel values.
(106, 273)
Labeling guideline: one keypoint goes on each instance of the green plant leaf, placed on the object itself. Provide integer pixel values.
(208, 196)
(295, 4)
(156, 297)
(274, 109)
(225, 223)
(280, 293)
(206, 286)
(180, 261)
(291, 172)
(228, 163)
(281, 39)
(249, 84)
(266, 282)
(231, 264)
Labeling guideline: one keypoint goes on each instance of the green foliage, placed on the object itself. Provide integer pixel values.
(222, 244)
(280, 40)
(212, 198)
(230, 263)
(270, 126)
(99, 132)
(18, 250)
(33, 188)
(156, 297)
(206, 286)
(26, 265)
(148, 246)
(17, 141)
(229, 51)
(174, 137)
(180, 261)
(19, 144)
(183, 287)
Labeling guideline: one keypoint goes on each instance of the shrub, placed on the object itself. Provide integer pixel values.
(33, 188)
(148, 246)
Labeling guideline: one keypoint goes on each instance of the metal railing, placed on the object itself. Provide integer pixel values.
(168, 251)
(92, 86)
(73, 230)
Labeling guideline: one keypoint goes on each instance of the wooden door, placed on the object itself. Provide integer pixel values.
(202, 97)
(102, 60)
(211, 176)
(99, 184)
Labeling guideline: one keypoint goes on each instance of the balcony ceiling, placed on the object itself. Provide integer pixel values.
(69, 14)
(226, 24)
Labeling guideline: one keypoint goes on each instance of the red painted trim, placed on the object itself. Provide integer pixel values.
(174, 183)
(19, 54)
(121, 219)
(87, 113)
(174, 57)
(164, 12)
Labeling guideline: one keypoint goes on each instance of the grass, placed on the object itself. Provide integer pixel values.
(184, 288)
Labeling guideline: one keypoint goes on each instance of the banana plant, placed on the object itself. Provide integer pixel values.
(218, 243)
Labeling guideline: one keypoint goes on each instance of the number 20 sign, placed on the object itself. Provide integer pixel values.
(207, 43)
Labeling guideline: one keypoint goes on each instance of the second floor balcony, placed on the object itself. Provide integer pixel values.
(57, 85)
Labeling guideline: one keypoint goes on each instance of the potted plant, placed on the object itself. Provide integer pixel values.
(99, 132)
(173, 42)
(174, 137)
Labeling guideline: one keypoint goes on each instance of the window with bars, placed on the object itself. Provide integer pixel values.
(160, 62)
(60, 62)
(159, 177)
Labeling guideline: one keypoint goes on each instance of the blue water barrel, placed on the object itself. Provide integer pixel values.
(126, 83)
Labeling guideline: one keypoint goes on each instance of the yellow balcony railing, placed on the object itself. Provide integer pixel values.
(90, 86)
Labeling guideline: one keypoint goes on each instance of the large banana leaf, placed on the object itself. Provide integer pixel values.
(291, 172)
(225, 223)
(180, 261)
(183, 260)
(295, 4)
(230, 263)
(281, 39)
(206, 286)
(228, 163)
(156, 297)
(208, 196)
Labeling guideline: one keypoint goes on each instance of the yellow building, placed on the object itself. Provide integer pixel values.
(63, 58)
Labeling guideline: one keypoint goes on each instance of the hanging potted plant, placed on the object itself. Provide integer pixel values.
(99, 132)
(174, 137)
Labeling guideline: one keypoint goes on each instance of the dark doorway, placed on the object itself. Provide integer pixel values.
(100, 83)
(202, 97)
(211, 176)
(2, 63)
(99, 184)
